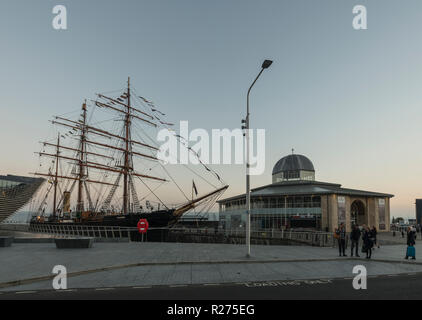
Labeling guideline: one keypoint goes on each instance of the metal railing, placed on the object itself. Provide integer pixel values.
(314, 238)
(82, 231)
(234, 236)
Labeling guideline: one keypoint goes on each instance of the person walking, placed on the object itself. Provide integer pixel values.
(410, 251)
(354, 237)
(341, 237)
(367, 242)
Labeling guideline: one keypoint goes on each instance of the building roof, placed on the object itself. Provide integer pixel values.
(303, 187)
(293, 162)
(19, 179)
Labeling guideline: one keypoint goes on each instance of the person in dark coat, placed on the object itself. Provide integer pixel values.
(341, 237)
(410, 240)
(374, 233)
(354, 237)
(367, 242)
(410, 237)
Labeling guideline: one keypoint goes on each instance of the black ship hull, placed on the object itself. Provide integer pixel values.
(157, 219)
(158, 224)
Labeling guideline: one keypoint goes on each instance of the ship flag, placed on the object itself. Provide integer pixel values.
(194, 187)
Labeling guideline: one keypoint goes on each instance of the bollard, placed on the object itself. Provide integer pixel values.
(6, 242)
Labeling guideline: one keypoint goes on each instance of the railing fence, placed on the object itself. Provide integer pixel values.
(235, 236)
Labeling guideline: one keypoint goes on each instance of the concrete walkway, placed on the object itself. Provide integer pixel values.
(138, 264)
(387, 238)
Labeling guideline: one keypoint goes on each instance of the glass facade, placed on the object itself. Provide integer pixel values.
(294, 175)
(281, 202)
(273, 212)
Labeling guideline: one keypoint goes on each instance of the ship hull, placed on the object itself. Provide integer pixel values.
(158, 224)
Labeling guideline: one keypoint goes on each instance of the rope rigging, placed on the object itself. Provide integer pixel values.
(106, 162)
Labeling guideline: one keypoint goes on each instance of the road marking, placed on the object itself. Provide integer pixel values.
(67, 290)
(141, 287)
(103, 289)
(307, 282)
(392, 275)
(211, 284)
(178, 285)
(23, 292)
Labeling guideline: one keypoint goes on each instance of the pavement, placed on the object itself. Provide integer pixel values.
(24, 235)
(387, 238)
(28, 266)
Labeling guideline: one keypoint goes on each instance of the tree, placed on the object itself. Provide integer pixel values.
(400, 220)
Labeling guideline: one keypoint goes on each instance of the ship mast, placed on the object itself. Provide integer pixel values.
(126, 166)
(82, 161)
(80, 203)
(56, 175)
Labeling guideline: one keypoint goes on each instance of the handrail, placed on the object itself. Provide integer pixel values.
(314, 238)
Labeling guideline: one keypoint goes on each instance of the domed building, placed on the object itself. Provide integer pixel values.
(295, 200)
(293, 167)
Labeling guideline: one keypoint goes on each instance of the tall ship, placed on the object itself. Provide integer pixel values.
(103, 168)
(16, 192)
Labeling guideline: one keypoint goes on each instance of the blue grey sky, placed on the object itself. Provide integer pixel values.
(349, 100)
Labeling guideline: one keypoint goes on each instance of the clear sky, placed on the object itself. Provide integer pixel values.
(349, 100)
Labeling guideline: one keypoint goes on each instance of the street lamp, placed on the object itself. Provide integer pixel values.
(265, 65)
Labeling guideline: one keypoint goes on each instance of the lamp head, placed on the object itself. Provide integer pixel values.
(266, 64)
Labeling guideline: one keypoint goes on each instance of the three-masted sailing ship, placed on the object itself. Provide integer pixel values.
(104, 160)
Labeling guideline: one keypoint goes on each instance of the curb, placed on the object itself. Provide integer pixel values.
(397, 261)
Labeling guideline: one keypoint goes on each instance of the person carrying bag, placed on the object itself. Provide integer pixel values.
(410, 251)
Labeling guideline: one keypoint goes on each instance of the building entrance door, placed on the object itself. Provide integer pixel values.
(357, 213)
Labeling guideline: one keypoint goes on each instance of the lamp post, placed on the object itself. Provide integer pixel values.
(266, 64)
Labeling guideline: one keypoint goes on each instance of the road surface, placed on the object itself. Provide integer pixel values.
(407, 286)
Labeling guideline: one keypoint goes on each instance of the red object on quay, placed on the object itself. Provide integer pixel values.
(143, 226)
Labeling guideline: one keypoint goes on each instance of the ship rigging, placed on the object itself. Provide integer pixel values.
(106, 161)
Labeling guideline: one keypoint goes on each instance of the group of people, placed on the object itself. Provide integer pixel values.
(369, 237)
